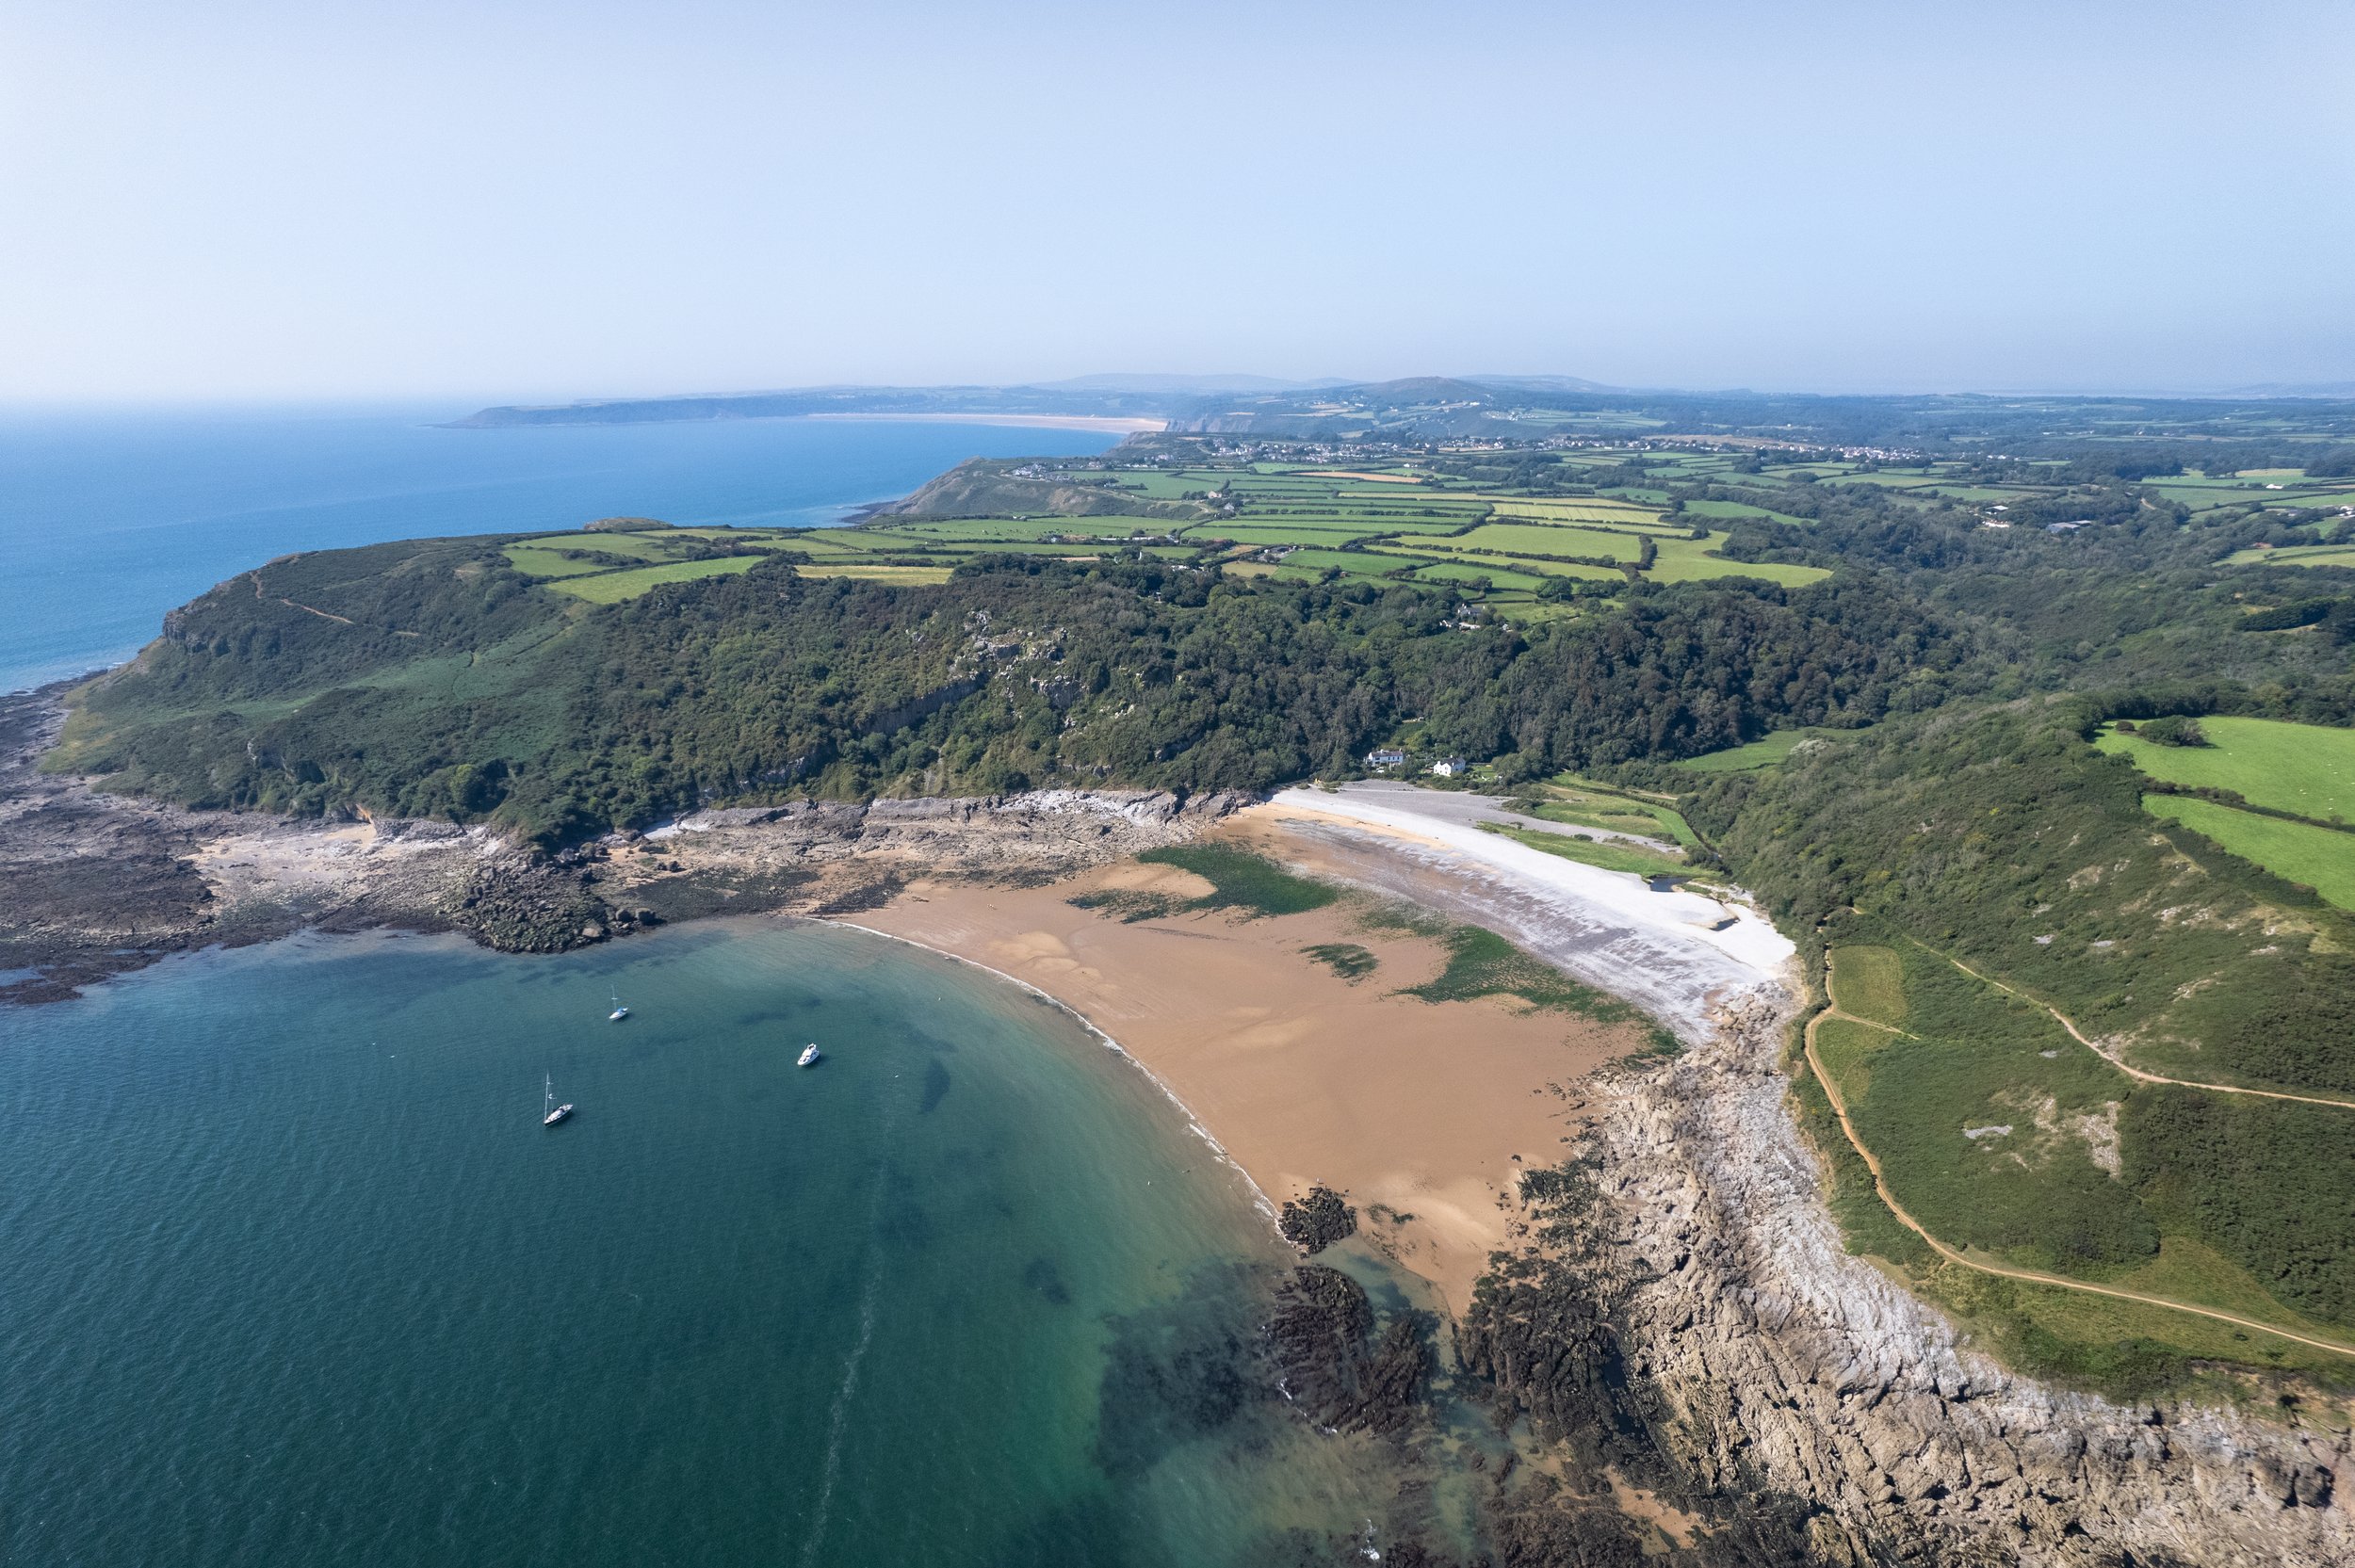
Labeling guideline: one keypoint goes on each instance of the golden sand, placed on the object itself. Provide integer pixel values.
(1423, 1113)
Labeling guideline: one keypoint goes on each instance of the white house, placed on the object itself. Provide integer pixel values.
(1450, 767)
(1385, 756)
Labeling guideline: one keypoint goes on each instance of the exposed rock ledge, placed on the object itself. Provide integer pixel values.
(1783, 1359)
(99, 884)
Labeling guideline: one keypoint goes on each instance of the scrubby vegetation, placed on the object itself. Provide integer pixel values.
(1888, 690)
(439, 683)
(2002, 839)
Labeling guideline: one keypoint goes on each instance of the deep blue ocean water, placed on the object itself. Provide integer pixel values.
(109, 520)
(291, 1272)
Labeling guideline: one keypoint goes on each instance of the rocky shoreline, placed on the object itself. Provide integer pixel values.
(99, 884)
(1688, 1298)
(1683, 1314)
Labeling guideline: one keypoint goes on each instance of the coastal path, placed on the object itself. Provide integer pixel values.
(1955, 1254)
(2112, 1057)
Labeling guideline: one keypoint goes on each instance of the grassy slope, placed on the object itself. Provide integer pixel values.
(2320, 858)
(2305, 768)
(610, 587)
(1766, 753)
(1869, 981)
(1976, 834)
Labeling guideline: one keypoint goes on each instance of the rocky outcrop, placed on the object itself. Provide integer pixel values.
(522, 905)
(1317, 1221)
(100, 883)
(1766, 1358)
(1332, 1365)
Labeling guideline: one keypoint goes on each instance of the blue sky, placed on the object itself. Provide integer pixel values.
(241, 201)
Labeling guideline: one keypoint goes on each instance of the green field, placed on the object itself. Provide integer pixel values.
(2320, 858)
(1767, 753)
(607, 588)
(1276, 533)
(1532, 539)
(539, 562)
(1607, 514)
(1441, 530)
(1494, 576)
(1847, 1050)
(1461, 530)
(1869, 983)
(1610, 854)
(1739, 508)
(2305, 768)
(2294, 555)
(1355, 522)
(1363, 563)
(1578, 803)
(1689, 560)
(1033, 527)
(1446, 553)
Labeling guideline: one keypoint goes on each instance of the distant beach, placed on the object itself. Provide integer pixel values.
(1032, 421)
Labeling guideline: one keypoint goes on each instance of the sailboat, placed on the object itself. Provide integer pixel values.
(619, 1012)
(555, 1112)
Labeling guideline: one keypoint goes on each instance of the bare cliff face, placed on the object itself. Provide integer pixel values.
(1766, 1359)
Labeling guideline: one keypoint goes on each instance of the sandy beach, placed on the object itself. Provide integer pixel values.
(1423, 1113)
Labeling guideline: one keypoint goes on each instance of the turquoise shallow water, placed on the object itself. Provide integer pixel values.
(291, 1272)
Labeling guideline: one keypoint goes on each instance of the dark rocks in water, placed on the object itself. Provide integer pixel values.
(1330, 1361)
(1316, 1221)
(936, 1083)
(1177, 1372)
(1545, 1337)
(1547, 1349)
(1039, 1274)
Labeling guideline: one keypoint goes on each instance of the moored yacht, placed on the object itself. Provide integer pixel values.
(553, 1112)
(809, 1055)
(619, 1012)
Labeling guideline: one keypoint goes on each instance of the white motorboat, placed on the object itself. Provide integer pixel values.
(809, 1055)
(553, 1112)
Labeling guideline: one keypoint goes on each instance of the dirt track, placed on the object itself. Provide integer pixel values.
(1953, 1254)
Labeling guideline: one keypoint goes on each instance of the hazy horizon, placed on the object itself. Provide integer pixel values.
(272, 204)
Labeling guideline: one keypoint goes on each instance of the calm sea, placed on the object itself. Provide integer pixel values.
(291, 1272)
(107, 521)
